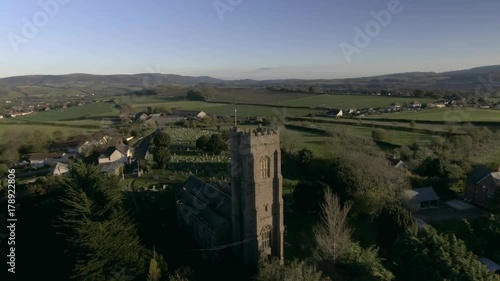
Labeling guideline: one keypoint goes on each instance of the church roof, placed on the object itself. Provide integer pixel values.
(209, 203)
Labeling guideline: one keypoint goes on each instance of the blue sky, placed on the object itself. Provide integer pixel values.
(258, 39)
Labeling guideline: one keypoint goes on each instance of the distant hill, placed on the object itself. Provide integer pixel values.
(463, 80)
(132, 80)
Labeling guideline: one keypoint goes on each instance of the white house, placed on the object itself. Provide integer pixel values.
(191, 113)
(336, 112)
(112, 155)
(126, 150)
(60, 169)
(394, 106)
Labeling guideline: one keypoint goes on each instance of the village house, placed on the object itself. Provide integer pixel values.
(114, 158)
(481, 187)
(414, 105)
(112, 154)
(191, 114)
(398, 163)
(334, 112)
(126, 150)
(394, 106)
(436, 105)
(60, 169)
(422, 198)
(38, 160)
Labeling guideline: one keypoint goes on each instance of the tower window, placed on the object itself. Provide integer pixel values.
(265, 165)
(265, 237)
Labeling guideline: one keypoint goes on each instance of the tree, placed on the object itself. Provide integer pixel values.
(162, 139)
(379, 134)
(162, 156)
(154, 273)
(394, 221)
(418, 93)
(58, 135)
(202, 142)
(290, 140)
(102, 239)
(217, 144)
(307, 196)
(363, 264)
(432, 256)
(304, 158)
(295, 270)
(332, 236)
(413, 124)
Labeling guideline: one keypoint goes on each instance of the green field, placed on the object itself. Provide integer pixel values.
(22, 129)
(350, 101)
(392, 136)
(447, 115)
(228, 109)
(93, 109)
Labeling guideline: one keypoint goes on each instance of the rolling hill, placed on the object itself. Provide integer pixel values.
(461, 80)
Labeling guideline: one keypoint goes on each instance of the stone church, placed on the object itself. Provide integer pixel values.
(245, 218)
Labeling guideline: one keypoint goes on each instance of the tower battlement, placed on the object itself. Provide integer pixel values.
(256, 132)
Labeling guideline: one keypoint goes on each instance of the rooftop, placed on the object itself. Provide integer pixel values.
(422, 194)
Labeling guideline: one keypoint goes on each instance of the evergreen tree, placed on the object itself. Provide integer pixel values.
(437, 257)
(394, 221)
(103, 241)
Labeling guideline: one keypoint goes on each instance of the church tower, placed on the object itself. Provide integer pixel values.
(256, 191)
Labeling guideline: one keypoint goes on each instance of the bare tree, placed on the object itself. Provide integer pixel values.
(291, 141)
(333, 234)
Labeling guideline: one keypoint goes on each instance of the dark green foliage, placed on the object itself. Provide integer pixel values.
(201, 93)
(437, 257)
(162, 156)
(202, 142)
(196, 95)
(226, 134)
(484, 237)
(214, 144)
(307, 196)
(394, 221)
(363, 265)
(162, 139)
(379, 134)
(217, 144)
(103, 241)
(304, 158)
(294, 270)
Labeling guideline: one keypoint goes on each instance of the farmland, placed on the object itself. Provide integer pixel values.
(13, 129)
(228, 109)
(447, 115)
(90, 110)
(350, 101)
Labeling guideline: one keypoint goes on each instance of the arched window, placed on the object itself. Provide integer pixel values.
(265, 165)
(265, 237)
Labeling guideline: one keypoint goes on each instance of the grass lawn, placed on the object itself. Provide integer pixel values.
(447, 115)
(21, 129)
(316, 142)
(350, 101)
(93, 109)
